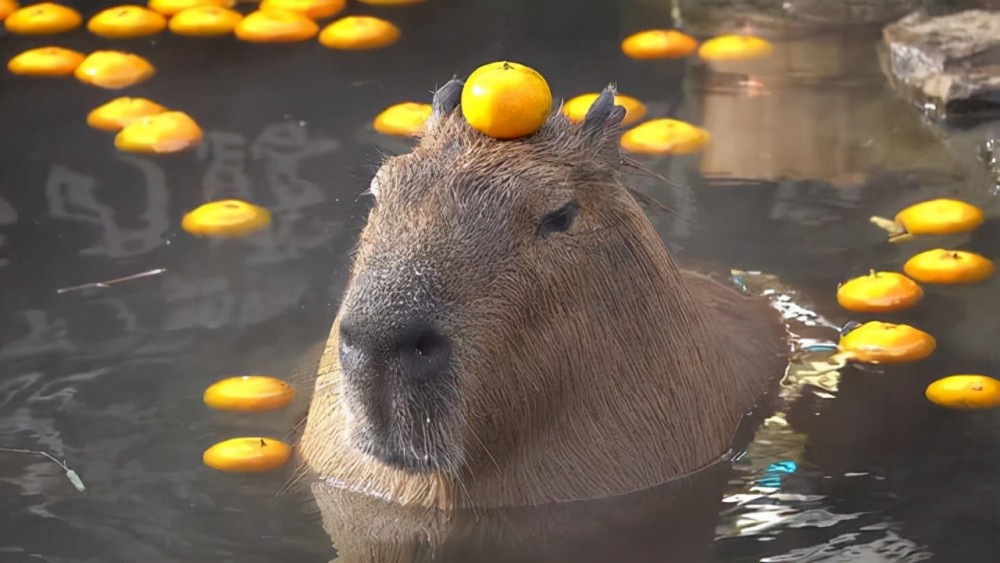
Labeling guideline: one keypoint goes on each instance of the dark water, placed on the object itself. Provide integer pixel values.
(804, 150)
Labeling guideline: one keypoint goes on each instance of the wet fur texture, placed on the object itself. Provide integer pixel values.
(585, 365)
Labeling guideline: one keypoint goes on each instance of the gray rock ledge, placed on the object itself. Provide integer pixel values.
(949, 64)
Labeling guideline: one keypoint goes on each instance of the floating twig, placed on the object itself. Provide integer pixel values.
(896, 231)
(70, 474)
(108, 283)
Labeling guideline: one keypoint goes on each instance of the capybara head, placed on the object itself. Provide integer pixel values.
(515, 332)
(480, 262)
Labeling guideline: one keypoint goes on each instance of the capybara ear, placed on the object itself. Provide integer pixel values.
(446, 99)
(603, 113)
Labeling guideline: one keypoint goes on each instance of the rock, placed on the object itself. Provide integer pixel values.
(951, 62)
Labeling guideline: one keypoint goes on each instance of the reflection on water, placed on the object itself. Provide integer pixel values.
(806, 146)
(645, 526)
(8, 216)
(276, 154)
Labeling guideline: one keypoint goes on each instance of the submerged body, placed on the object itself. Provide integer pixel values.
(515, 333)
(670, 523)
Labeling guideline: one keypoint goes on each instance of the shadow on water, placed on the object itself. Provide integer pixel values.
(805, 148)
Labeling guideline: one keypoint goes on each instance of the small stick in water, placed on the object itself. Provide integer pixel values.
(896, 231)
(70, 474)
(109, 283)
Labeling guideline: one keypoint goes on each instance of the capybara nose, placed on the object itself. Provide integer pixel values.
(414, 349)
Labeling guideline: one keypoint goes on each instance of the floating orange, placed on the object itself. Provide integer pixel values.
(227, 218)
(665, 136)
(576, 108)
(113, 69)
(173, 7)
(205, 21)
(275, 26)
(359, 33)
(45, 61)
(965, 392)
(44, 18)
(118, 113)
(658, 44)
(941, 216)
(948, 267)
(248, 393)
(166, 132)
(886, 343)
(405, 119)
(879, 292)
(247, 455)
(126, 22)
(8, 7)
(735, 48)
(316, 9)
(506, 100)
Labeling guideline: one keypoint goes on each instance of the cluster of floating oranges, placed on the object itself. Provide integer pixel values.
(885, 292)
(145, 126)
(274, 21)
(511, 100)
(248, 393)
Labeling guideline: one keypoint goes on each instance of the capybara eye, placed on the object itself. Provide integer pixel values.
(559, 220)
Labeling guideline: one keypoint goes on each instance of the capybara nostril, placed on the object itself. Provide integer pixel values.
(413, 349)
(425, 352)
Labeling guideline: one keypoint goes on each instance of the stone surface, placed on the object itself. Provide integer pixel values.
(951, 62)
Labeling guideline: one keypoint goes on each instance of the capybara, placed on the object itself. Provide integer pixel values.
(514, 331)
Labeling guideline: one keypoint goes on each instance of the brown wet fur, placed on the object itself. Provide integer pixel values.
(587, 365)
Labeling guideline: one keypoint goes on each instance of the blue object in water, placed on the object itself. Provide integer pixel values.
(772, 475)
(787, 466)
(819, 348)
(769, 481)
